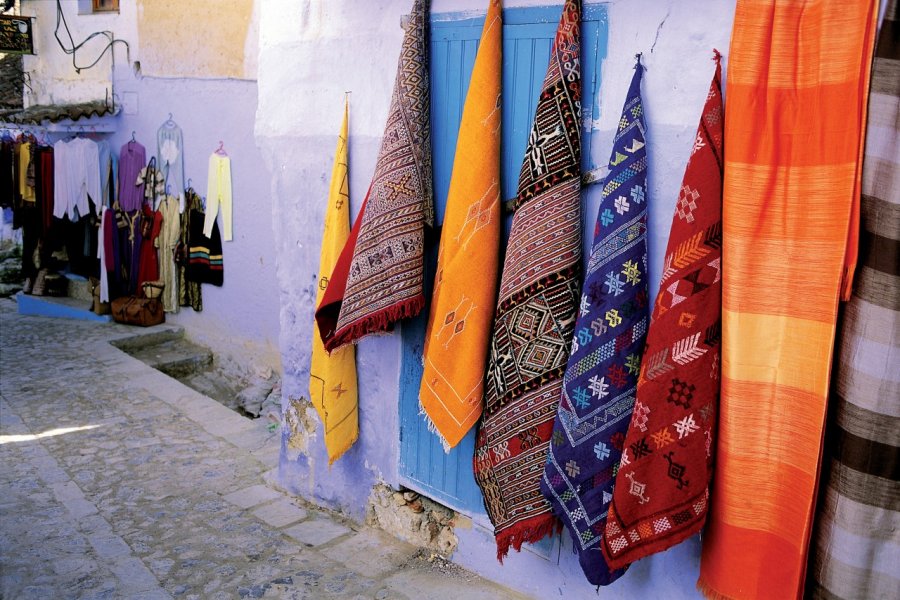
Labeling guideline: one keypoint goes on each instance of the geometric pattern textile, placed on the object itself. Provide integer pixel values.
(667, 461)
(798, 80)
(856, 551)
(459, 323)
(602, 372)
(332, 379)
(378, 279)
(537, 304)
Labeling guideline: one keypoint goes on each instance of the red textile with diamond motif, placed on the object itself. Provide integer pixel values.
(662, 487)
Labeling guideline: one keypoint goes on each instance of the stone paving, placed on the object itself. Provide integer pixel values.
(117, 481)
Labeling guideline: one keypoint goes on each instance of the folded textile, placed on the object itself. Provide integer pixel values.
(537, 305)
(378, 278)
(332, 379)
(797, 85)
(855, 549)
(666, 466)
(459, 323)
(601, 375)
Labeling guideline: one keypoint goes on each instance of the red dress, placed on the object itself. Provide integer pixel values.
(148, 269)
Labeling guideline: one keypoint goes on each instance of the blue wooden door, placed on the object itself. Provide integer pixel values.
(527, 38)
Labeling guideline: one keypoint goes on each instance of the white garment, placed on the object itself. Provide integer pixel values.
(84, 176)
(76, 177)
(101, 254)
(170, 159)
(60, 179)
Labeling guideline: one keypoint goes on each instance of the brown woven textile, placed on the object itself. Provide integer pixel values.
(537, 306)
(378, 278)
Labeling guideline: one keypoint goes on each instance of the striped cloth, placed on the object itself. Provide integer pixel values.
(796, 92)
(465, 287)
(538, 302)
(857, 543)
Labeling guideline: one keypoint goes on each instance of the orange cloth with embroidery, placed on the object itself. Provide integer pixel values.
(795, 117)
(465, 286)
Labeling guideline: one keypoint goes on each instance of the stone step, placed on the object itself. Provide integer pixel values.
(149, 337)
(174, 357)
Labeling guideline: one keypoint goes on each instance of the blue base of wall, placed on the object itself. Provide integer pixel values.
(62, 308)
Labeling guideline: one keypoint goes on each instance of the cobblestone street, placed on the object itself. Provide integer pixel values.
(117, 481)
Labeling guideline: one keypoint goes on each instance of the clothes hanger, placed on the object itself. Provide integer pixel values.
(221, 149)
(169, 122)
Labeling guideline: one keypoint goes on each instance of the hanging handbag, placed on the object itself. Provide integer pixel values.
(142, 312)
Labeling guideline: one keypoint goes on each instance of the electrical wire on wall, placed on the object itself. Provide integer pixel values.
(73, 48)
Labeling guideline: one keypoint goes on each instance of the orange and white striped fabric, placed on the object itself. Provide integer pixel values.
(797, 87)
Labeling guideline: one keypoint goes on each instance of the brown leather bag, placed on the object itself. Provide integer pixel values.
(142, 312)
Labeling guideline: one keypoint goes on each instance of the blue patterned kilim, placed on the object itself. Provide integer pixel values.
(602, 372)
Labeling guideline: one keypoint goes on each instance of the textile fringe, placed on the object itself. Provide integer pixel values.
(710, 593)
(378, 322)
(433, 428)
(526, 532)
(343, 450)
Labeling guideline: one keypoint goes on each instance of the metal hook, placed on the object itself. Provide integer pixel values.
(170, 116)
(132, 136)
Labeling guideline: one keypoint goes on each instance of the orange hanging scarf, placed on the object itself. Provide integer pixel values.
(465, 288)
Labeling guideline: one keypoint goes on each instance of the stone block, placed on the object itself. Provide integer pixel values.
(71, 497)
(280, 513)
(109, 546)
(134, 575)
(251, 496)
(317, 532)
(371, 553)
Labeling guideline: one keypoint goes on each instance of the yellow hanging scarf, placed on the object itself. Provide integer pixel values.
(332, 378)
